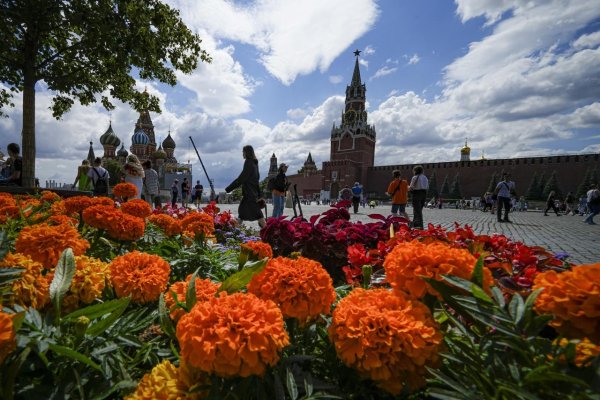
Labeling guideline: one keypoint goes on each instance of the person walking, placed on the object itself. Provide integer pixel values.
(569, 200)
(418, 187)
(593, 204)
(356, 196)
(134, 174)
(151, 190)
(174, 193)
(197, 196)
(13, 167)
(185, 192)
(280, 186)
(99, 178)
(551, 204)
(249, 209)
(398, 191)
(82, 177)
(504, 189)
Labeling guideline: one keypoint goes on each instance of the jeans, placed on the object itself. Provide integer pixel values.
(594, 210)
(278, 202)
(503, 201)
(355, 203)
(418, 202)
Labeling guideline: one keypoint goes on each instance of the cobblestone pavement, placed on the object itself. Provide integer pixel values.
(565, 233)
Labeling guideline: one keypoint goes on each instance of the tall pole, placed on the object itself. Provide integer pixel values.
(212, 188)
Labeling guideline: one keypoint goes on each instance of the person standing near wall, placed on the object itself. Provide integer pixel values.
(151, 191)
(398, 191)
(504, 189)
(418, 187)
(280, 186)
(356, 196)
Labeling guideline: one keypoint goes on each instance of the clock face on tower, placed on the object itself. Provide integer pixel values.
(350, 116)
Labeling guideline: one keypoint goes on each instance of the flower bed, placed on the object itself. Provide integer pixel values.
(104, 299)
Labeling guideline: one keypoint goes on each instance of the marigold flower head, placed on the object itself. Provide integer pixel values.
(45, 243)
(585, 351)
(28, 202)
(8, 342)
(8, 212)
(573, 297)
(386, 337)
(31, 289)
(169, 225)
(58, 208)
(143, 276)
(7, 200)
(198, 223)
(137, 207)
(232, 335)
(302, 288)
(62, 219)
(205, 290)
(257, 250)
(167, 382)
(125, 190)
(88, 282)
(76, 204)
(50, 197)
(407, 264)
(103, 200)
(118, 225)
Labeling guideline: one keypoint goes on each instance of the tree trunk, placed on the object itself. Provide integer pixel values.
(28, 132)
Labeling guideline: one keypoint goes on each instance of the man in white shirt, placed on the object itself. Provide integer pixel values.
(418, 188)
(99, 177)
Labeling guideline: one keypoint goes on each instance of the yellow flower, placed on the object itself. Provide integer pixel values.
(31, 289)
(7, 336)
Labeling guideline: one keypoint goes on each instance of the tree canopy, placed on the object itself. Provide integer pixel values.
(89, 51)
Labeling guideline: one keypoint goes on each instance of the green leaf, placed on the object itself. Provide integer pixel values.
(516, 308)
(98, 327)
(190, 295)
(291, 384)
(68, 352)
(477, 275)
(98, 310)
(458, 282)
(480, 294)
(239, 280)
(4, 247)
(164, 318)
(498, 296)
(63, 274)
(544, 374)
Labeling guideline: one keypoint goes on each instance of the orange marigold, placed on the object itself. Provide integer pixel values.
(58, 208)
(302, 288)
(198, 223)
(169, 225)
(103, 200)
(8, 212)
(8, 340)
(386, 337)
(62, 219)
(124, 190)
(7, 200)
(45, 243)
(232, 335)
(50, 197)
(31, 289)
(205, 290)
(573, 297)
(409, 262)
(143, 276)
(117, 224)
(585, 351)
(257, 250)
(88, 282)
(137, 207)
(167, 382)
(76, 204)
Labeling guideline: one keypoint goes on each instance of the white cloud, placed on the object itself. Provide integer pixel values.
(587, 41)
(368, 50)
(335, 79)
(293, 38)
(414, 59)
(296, 113)
(383, 71)
(363, 62)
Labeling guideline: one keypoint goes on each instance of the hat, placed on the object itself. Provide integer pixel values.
(176, 180)
(356, 183)
(283, 165)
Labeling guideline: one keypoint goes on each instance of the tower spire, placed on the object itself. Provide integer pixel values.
(356, 75)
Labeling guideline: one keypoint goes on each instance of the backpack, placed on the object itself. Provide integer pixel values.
(101, 185)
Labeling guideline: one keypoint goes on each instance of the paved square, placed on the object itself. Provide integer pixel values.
(565, 233)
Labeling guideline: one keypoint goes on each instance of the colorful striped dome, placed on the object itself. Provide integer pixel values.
(122, 152)
(109, 138)
(139, 137)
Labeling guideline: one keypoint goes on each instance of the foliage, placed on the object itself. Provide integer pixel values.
(115, 171)
(552, 185)
(455, 191)
(433, 190)
(533, 189)
(445, 189)
(80, 49)
(494, 179)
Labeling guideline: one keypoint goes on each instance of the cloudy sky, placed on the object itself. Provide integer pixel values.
(517, 77)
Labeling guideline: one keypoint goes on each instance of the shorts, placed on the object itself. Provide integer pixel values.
(398, 208)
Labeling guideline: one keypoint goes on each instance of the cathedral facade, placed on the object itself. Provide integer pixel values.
(352, 159)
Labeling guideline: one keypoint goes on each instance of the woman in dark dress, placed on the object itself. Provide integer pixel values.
(249, 209)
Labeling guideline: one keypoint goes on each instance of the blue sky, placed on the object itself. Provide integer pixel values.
(517, 77)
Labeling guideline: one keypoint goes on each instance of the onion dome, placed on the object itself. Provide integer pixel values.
(109, 138)
(122, 152)
(160, 153)
(466, 149)
(139, 137)
(168, 143)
